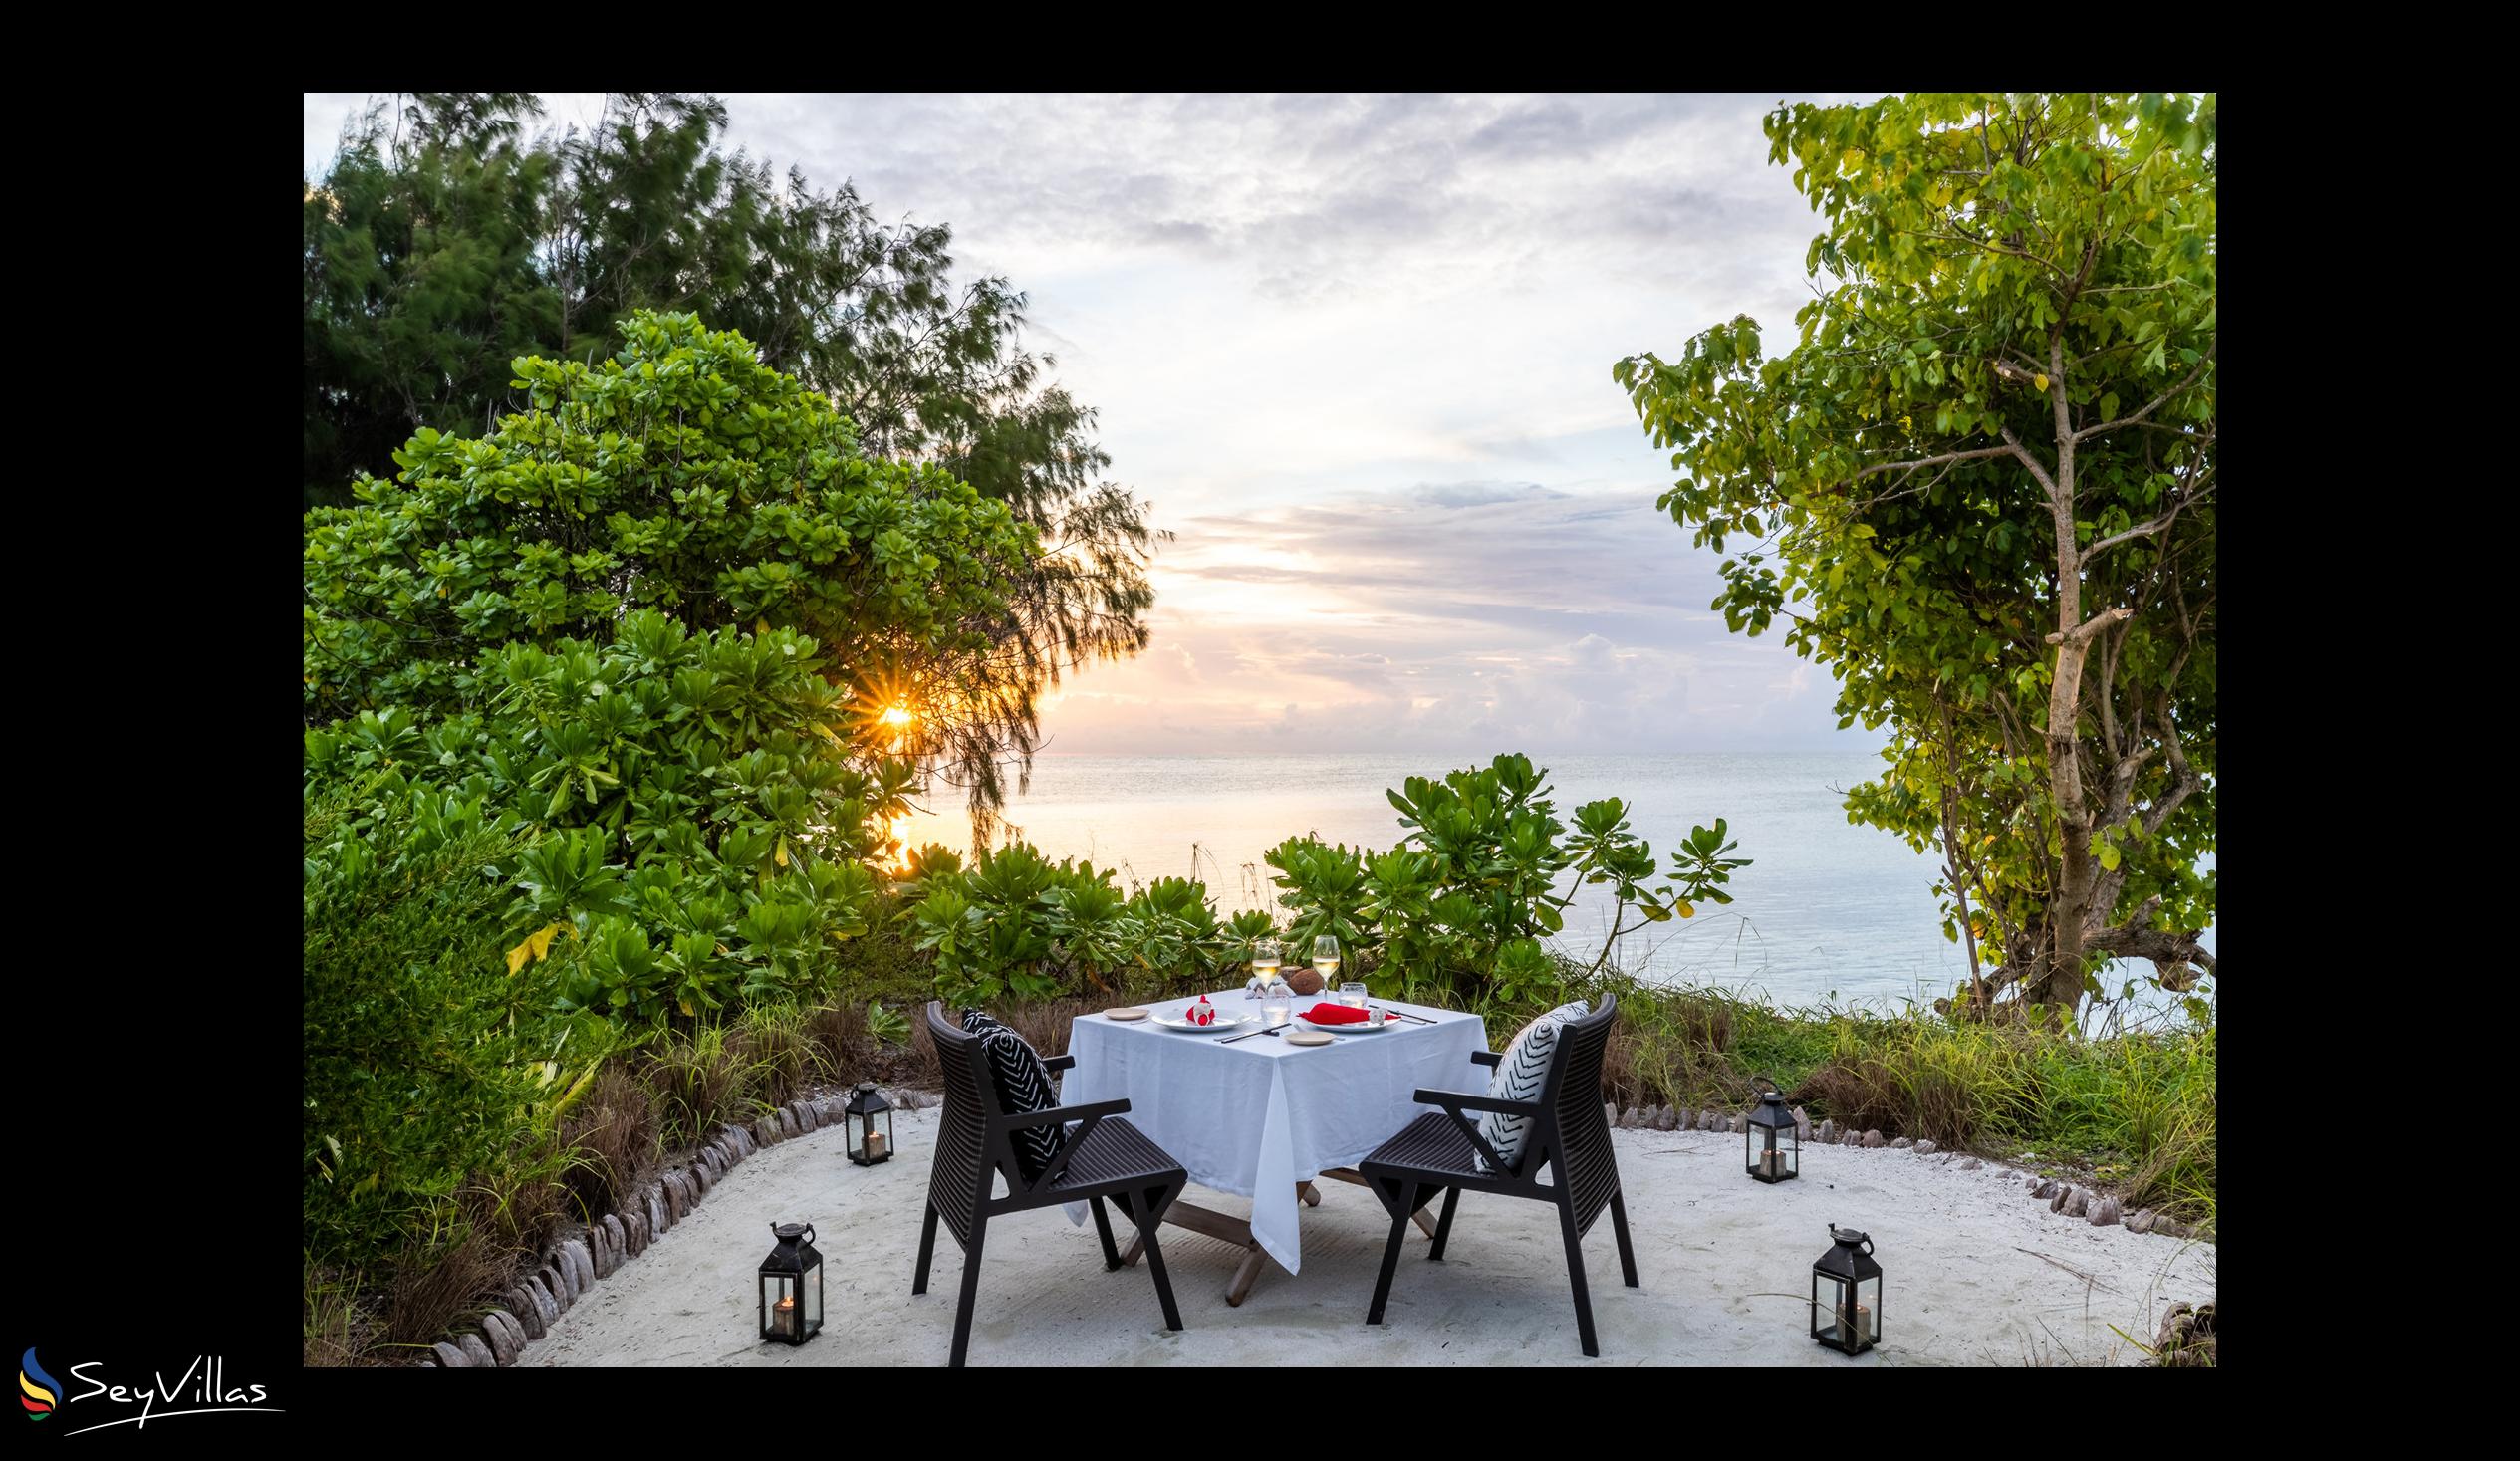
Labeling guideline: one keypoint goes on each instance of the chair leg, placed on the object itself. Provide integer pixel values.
(1392, 1251)
(1157, 1201)
(1575, 1276)
(927, 1250)
(1443, 1225)
(970, 1293)
(1102, 1230)
(1619, 1225)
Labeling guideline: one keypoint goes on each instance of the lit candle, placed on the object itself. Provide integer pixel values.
(783, 1316)
(874, 1143)
(1856, 1331)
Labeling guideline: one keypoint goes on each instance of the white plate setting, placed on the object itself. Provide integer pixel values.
(1223, 1021)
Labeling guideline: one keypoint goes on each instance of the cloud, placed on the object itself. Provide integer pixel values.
(1357, 349)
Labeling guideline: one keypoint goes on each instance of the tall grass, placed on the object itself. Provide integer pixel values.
(2137, 1110)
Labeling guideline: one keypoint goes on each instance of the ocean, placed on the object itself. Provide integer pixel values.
(1828, 911)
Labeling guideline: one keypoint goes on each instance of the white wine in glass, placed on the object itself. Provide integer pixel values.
(1267, 955)
(1324, 958)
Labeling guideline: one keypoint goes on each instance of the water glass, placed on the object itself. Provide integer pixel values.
(1352, 995)
(1276, 1001)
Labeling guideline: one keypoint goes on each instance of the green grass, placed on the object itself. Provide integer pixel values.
(2137, 1112)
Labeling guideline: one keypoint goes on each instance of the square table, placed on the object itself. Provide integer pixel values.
(1261, 1118)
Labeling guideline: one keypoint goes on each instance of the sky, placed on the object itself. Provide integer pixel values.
(1357, 353)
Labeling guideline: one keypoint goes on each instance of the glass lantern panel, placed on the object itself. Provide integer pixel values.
(858, 1130)
(778, 1304)
(1871, 1292)
(1828, 1299)
(814, 1300)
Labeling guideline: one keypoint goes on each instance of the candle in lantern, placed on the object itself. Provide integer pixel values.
(875, 1144)
(1857, 1329)
(783, 1316)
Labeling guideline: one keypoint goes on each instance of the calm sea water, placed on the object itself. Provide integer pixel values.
(1827, 910)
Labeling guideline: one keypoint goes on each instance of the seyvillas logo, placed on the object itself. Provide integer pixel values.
(203, 1390)
(42, 1391)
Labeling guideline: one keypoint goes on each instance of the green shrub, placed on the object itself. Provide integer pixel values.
(424, 1063)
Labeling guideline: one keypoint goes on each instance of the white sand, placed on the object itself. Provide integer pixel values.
(1975, 1273)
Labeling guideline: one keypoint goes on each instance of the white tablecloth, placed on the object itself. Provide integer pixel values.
(1259, 1115)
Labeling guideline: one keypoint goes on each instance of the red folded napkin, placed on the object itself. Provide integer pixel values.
(1330, 1014)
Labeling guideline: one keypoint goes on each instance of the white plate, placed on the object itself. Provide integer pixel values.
(1223, 1021)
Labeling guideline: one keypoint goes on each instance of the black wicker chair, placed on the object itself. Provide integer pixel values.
(1569, 1134)
(1104, 1158)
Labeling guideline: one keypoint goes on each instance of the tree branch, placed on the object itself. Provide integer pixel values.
(2156, 403)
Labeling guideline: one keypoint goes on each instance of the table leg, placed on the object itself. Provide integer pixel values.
(1310, 1193)
(1239, 1288)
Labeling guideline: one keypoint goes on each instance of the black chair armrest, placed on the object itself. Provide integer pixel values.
(1459, 1104)
(1463, 1101)
(1060, 1116)
(1056, 1063)
(1485, 1057)
(1085, 1116)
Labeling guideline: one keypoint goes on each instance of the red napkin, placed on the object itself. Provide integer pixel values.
(1330, 1014)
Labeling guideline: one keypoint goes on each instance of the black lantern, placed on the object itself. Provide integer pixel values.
(1771, 1144)
(792, 1286)
(866, 1145)
(1846, 1314)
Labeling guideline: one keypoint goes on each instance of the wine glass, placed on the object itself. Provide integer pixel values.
(1324, 958)
(1267, 956)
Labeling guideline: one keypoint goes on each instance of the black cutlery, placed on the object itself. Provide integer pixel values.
(1405, 1015)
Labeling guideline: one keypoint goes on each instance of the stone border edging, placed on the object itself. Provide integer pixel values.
(574, 1265)
(2095, 1208)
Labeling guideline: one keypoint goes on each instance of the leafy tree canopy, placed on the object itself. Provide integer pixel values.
(443, 241)
(681, 475)
(1980, 488)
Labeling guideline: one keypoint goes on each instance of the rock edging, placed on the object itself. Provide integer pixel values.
(572, 1266)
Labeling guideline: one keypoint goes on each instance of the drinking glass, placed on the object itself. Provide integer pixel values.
(1267, 955)
(1324, 958)
(1352, 993)
(1275, 1003)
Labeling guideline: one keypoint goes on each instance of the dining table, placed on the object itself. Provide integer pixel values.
(1247, 1113)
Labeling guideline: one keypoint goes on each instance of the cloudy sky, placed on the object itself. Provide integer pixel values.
(1356, 351)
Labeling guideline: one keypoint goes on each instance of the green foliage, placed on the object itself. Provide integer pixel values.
(679, 475)
(1980, 490)
(444, 242)
(697, 841)
(1021, 926)
(422, 1063)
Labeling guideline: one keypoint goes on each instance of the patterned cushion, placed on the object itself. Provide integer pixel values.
(1519, 1074)
(1022, 1085)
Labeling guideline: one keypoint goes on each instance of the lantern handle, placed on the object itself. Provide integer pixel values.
(1771, 1083)
(809, 1237)
(1867, 1237)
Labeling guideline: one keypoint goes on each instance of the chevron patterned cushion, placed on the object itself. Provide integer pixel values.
(1519, 1074)
(1022, 1085)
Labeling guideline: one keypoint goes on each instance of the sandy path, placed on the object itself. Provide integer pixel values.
(1976, 1273)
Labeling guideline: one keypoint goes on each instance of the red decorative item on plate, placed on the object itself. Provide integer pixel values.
(1330, 1014)
(1202, 1013)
